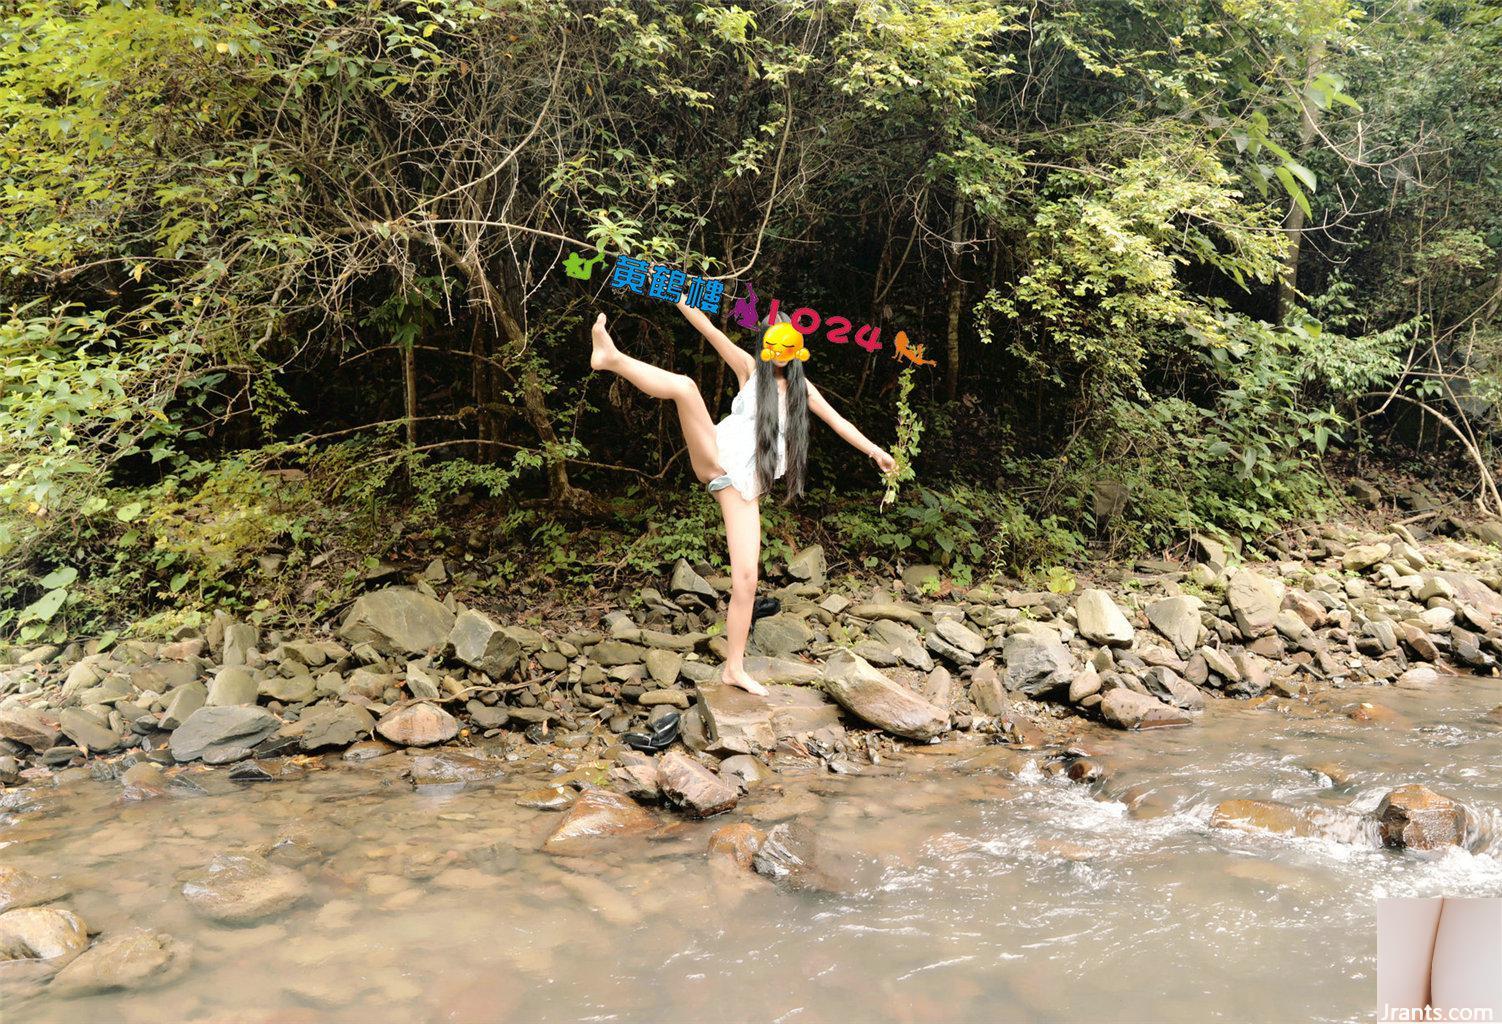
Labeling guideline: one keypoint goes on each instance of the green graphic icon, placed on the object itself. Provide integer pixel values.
(577, 266)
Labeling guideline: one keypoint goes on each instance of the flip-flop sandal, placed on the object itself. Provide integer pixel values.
(659, 735)
(764, 606)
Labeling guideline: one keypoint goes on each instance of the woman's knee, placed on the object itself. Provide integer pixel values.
(743, 581)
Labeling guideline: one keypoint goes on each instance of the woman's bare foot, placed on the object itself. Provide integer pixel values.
(604, 346)
(738, 677)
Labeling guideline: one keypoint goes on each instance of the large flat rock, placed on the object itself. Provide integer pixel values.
(397, 620)
(737, 722)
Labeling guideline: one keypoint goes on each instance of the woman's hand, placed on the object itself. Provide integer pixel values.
(884, 461)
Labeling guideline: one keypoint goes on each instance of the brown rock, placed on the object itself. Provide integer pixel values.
(130, 960)
(418, 725)
(737, 722)
(737, 843)
(597, 814)
(1128, 709)
(693, 788)
(864, 692)
(29, 728)
(1415, 817)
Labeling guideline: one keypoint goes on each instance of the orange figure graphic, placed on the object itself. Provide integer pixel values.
(912, 353)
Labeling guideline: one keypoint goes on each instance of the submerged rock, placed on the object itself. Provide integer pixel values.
(134, 959)
(22, 889)
(1415, 817)
(864, 692)
(792, 854)
(737, 843)
(41, 933)
(234, 889)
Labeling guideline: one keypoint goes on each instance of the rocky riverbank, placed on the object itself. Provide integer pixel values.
(853, 669)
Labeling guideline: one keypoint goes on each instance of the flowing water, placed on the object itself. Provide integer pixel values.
(975, 893)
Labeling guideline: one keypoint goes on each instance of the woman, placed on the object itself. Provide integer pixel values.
(765, 437)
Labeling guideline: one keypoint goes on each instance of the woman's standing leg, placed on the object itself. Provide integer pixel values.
(743, 534)
(1467, 970)
(693, 417)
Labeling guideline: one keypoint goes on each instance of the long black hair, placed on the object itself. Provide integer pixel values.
(795, 431)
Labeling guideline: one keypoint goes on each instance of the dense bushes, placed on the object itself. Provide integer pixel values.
(282, 295)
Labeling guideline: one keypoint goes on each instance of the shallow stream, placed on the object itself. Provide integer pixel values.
(973, 894)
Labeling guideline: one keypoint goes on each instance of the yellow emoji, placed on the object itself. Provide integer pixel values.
(783, 342)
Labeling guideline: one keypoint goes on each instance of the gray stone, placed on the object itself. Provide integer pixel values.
(334, 725)
(1363, 556)
(664, 666)
(809, 566)
(781, 671)
(1169, 687)
(483, 644)
(779, 636)
(686, 581)
(872, 697)
(889, 610)
(1255, 602)
(691, 787)
(1101, 621)
(986, 690)
(1036, 665)
(935, 642)
(219, 735)
(240, 640)
(398, 621)
(919, 577)
(232, 685)
(617, 652)
(1221, 664)
(1178, 619)
(902, 640)
(182, 702)
(87, 731)
(961, 636)
(294, 690)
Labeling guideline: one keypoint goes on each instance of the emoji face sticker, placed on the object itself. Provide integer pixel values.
(783, 342)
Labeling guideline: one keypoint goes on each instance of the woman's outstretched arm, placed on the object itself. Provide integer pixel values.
(820, 407)
(741, 361)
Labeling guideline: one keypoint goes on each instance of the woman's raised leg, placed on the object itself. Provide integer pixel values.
(693, 416)
(743, 534)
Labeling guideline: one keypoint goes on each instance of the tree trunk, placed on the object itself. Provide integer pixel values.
(409, 386)
(956, 302)
(1293, 224)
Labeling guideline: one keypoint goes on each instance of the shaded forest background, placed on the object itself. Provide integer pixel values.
(283, 293)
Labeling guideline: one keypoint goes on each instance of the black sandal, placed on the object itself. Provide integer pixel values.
(658, 736)
(764, 606)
